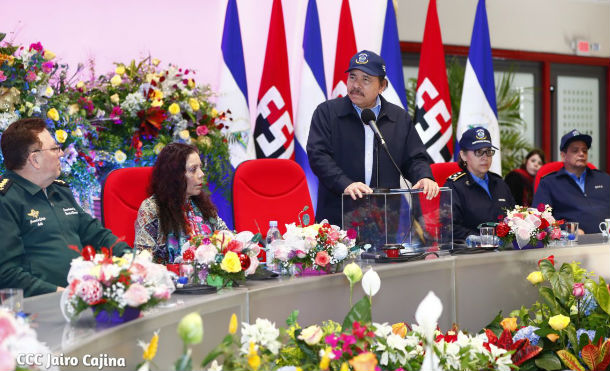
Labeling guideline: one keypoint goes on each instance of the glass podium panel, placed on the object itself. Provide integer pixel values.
(401, 218)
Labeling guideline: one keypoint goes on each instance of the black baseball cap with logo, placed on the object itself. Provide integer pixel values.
(572, 136)
(476, 138)
(368, 62)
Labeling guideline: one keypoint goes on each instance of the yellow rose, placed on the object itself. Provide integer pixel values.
(119, 70)
(552, 337)
(158, 148)
(559, 322)
(114, 98)
(77, 132)
(230, 263)
(191, 83)
(48, 92)
(233, 324)
(48, 55)
(214, 112)
(155, 62)
(174, 108)
(535, 277)
(364, 362)
(509, 323)
(116, 80)
(194, 103)
(311, 335)
(120, 156)
(80, 85)
(60, 135)
(53, 114)
(184, 134)
(400, 329)
(157, 103)
(73, 108)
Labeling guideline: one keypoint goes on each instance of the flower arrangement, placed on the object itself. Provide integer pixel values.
(219, 258)
(138, 108)
(33, 85)
(115, 285)
(317, 246)
(358, 344)
(17, 338)
(533, 226)
(569, 324)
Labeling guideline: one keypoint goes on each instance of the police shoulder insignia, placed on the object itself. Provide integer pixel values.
(5, 184)
(456, 176)
(61, 183)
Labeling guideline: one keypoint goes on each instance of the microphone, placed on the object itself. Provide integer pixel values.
(368, 117)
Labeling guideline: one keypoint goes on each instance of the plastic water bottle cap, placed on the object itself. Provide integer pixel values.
(273, 223)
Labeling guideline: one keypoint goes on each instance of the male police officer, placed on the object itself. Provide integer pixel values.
(39, 217)
(341, 147)
(576, 192)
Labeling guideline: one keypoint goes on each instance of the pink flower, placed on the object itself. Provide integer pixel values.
(555, 234)
(578, 290)
(90, 291)
(352, 234)
(331, 340)
(541, 235)
(37, 46)
(7, 326)
(31, 76)
(2, 76)
(206, 229)
(162, 292)
(205, 254)
(333, 236)
(7, 360)
(202, 130)
(253, 265)
(136, 295)
(300, 253)
(322, 258)
(47, 67)
(541, 207)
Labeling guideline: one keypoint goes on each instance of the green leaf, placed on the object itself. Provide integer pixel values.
(546, 268)
(600, 292)
(549, 298)
(361, 312)
(548, 361)
(570, 360)
(562, 287)
(214, 280)
(2, 36)
(571, 331)
(292, 318)
(257, 238)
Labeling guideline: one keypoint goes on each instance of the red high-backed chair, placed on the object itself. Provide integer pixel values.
(269, 189)
(441, 171)
(122, 193)
(549, 168)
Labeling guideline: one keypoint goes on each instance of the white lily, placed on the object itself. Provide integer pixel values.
(371, 282)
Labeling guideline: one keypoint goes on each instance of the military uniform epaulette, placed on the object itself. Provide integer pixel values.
(61, 183)
(456, 176)
(5, 184)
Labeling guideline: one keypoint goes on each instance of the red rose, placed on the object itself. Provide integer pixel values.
(502, 229)
(544, 224)
(188, 256)
(244, 260)
(550, 258)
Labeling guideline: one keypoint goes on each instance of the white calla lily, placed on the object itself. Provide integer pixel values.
(371, 283)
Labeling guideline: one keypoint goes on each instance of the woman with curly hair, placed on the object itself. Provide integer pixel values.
(178, 208)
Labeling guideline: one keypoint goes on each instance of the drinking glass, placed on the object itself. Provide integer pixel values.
(487, 236)
(12, 299)
(572, 230)
(603, 227)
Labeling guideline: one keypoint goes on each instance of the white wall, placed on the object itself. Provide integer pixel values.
(531, 25)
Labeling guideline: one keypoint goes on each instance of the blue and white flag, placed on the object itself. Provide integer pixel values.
(478, 107)
(233, 88)
(312, 92)
(390, 52)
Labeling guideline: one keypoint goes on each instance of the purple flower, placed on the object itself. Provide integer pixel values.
(331, 340)
(47, 67)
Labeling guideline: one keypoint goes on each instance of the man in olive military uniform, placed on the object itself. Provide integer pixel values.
(575, 192)
(479, 196)
(39, 217)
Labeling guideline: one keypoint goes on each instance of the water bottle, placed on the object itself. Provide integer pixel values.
(273, 233)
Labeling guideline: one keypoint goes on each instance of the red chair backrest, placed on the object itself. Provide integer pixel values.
(549, 168)
(430, 208)
(269, 189)
(122, 193)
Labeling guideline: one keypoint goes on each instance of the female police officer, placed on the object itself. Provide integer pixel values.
(479, 196)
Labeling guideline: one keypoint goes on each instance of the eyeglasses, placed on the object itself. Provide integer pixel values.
(480, 152)
(55, 149)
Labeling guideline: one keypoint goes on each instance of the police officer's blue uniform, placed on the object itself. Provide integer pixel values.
(36, 230)
(569, 202)
(473, 206)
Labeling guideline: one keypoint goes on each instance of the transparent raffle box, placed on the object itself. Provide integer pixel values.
(400, 218)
